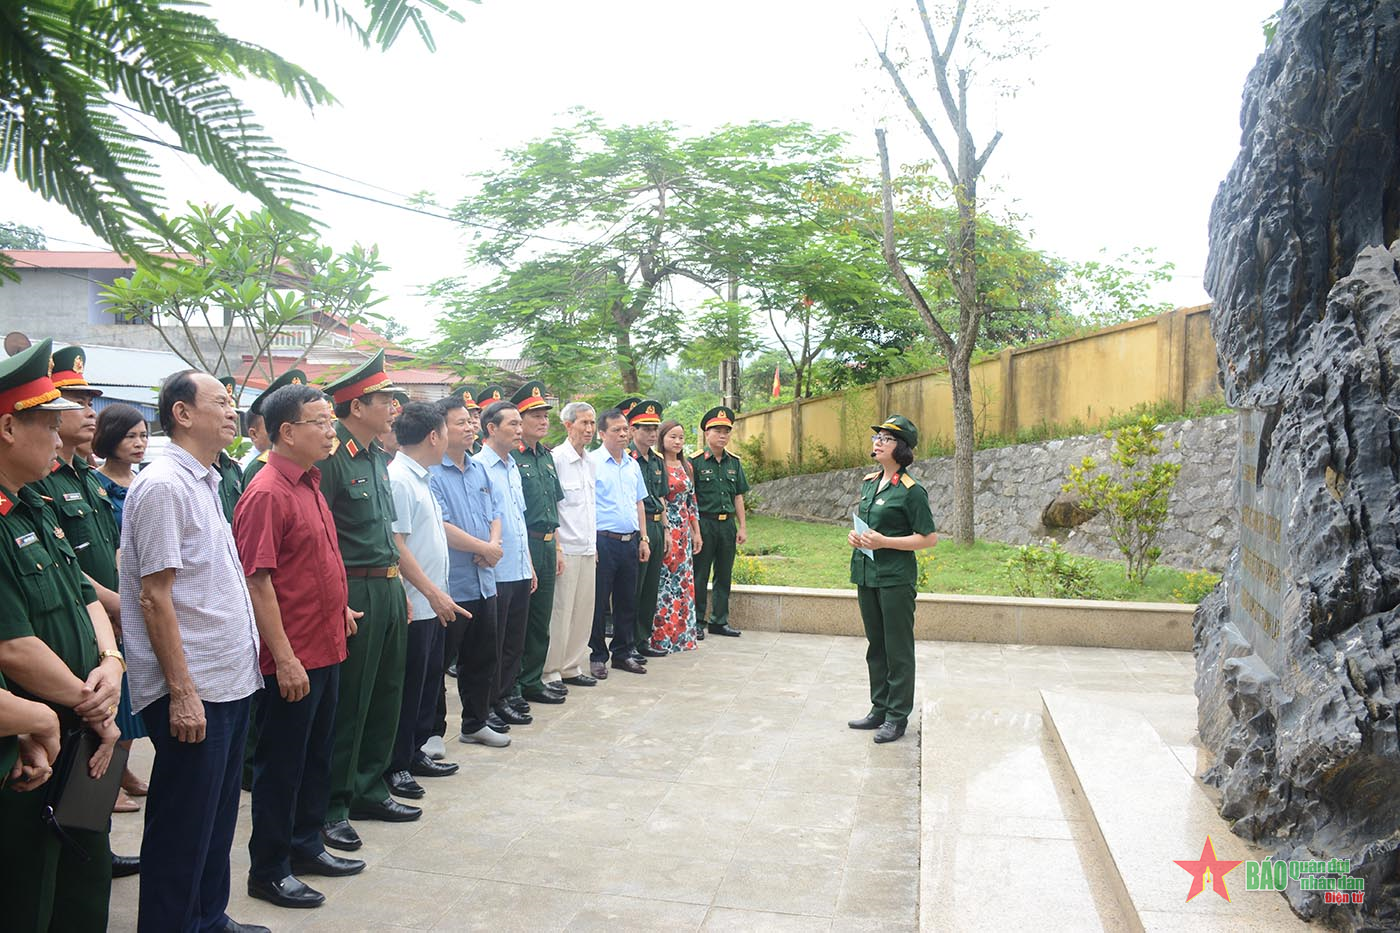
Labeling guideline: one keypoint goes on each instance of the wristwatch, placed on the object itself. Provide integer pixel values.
(110, 653)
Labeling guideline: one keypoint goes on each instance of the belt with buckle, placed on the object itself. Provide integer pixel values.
(654, 518)
(615, 536)
(390, 572)
(541, 535)
(717, 516)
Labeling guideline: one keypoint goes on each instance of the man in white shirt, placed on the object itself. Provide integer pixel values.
(192, 649)
(620, 500)
(571, 623)
(422, 541)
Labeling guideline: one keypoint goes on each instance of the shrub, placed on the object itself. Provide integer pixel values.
(750, 571)
(1050, 573)
(1196, 587)
(926, 559)
(1131, 494)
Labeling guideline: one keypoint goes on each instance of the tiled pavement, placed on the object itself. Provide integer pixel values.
(722, 791)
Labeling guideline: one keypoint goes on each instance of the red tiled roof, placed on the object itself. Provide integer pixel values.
(70, 259)
(322, 373)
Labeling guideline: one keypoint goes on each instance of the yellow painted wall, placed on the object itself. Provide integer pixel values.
(1088, 379)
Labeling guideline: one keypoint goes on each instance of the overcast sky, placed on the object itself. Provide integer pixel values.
(1129, 123)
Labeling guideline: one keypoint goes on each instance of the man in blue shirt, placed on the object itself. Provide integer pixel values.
(472, 518)
(515, 575)
(621, 498)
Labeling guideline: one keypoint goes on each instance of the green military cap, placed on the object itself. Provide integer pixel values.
(467, 395)
(717, 417)
(490, 395)
(68, 367)
(626, 405)
(531, 397)
(901, 427)
(646, 411)
(292, 377)
(365, 379)
(230, 385)
(26, 384)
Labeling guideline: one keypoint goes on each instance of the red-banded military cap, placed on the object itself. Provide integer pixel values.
(366, 379)
(468, 397)
(68, 366)
(25, 383)
(400, 400)
(490, 396)
(292, 377)
(646, 411)
(626, 405)
(717, 417)
(531, 397)
(230, 385)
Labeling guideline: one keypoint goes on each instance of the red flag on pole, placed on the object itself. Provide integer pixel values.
(777, 384)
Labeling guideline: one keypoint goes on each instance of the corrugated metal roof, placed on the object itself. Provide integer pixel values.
(134, 376)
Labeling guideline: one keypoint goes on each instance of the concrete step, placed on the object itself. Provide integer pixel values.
(1005, 841)
(1146, 809)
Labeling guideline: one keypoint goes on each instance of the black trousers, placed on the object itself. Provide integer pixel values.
(422, 682)
(472, 644)
(616, 589)
(512, 618)
(291, 774)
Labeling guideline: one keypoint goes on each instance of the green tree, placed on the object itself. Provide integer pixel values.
(592, 227)
(20, 236)
(249, 272)
(71, 71)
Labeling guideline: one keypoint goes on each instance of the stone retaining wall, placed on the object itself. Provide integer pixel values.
(1013, 486)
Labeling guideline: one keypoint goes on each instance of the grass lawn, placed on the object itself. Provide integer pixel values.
(810, 554)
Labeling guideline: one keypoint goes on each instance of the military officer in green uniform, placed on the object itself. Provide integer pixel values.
(84, 512)
(485, 397)
(720, 485)
(292, 377)
(897, 522)
(645, 420)
(355, 482)
(230, 473)
(56, 647)
(540, 483)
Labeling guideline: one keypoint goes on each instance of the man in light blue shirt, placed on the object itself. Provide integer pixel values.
(422, 542)
(471, 515)
(621, 497)
(515, 575)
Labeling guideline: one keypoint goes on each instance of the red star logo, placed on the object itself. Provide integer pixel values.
(1207, 866)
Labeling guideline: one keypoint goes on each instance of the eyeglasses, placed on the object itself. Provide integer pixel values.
(882, 439)
(321, 423)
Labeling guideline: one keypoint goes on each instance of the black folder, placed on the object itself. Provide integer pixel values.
(76, 800)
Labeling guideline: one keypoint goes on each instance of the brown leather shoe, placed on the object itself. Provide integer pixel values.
(599, 669)
(629, 665)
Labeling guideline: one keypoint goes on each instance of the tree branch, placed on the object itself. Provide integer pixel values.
(940, 67)
(914, 109)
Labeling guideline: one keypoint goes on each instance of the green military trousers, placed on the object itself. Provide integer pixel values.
(544, 557)
(888, 614)
(44, 884)
(371, 692)
(649, 580)
(718, 554)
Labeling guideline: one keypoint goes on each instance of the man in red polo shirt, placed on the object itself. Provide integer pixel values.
(287, 543)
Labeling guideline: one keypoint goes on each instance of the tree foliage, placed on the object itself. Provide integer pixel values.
(21, 236)
(72, 70)
(249, 272)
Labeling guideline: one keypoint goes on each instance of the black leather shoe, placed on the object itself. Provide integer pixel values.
(124, 866)
(423, 766)
(509, 715)
(599, 669)
(547, 697)
(327, 866)
(497, 724)
(724, 629)
(341, 835)
(557, 687)
(637, 656)
(629, 665)
(700, 632)
(647, 651)
(233, 926)
(889, 732)
(452, 669)
(871, 721)
(582, 680)
(388, 810)
(289, 892)
(402, 784)
(519, 704)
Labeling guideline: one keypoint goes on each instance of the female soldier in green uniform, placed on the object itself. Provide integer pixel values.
(895, 508)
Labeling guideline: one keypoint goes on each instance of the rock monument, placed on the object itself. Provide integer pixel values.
(1296, 652)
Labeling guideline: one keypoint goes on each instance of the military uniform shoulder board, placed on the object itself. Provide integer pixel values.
(262, 457)
(907, 480)
(731, 453)
(5, 504)
(335, 445)
(871, 475)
